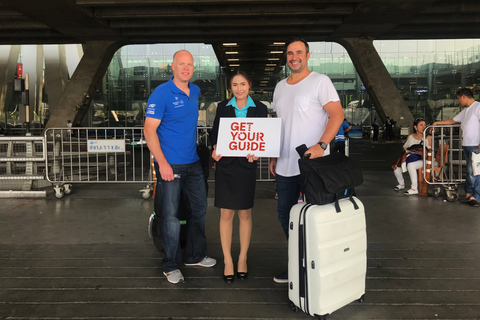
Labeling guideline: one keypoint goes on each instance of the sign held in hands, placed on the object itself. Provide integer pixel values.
(238, 137)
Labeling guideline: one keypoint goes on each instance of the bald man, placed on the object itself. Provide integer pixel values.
(171, 133)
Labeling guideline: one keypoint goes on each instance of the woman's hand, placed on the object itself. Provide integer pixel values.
(216, 156)
(251, 157)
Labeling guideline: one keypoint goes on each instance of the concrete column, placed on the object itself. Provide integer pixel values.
(377, 80)
(32, 59)
(56, 75)
(79, 91)
(8, 67)
(39, 80)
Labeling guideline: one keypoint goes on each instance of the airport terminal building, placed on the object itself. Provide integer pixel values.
(427, 74)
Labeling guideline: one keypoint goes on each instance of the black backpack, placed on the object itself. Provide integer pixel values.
(329, 178)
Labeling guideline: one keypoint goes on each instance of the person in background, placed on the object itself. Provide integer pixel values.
(389, 125)
(171, 133)
(469, 118)
(311, 114)
(376, 127)
(235, 177)
(340, 137)
(69, 126)
(413, 159)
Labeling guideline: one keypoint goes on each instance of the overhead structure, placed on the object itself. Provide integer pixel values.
(244, 33)
(257, 28)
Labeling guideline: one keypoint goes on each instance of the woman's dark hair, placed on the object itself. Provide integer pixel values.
(244, 74)
(418, 120)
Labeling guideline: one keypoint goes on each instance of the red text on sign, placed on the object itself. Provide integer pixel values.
(244, 139)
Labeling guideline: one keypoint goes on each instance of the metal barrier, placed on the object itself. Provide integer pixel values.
(96, 155)
(443, 166)
(22, 166)
(65, 156)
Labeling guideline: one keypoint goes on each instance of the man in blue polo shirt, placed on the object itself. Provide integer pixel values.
(340, 137)
(171, 134)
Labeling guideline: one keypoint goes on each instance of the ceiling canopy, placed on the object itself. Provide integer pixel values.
(243, 33)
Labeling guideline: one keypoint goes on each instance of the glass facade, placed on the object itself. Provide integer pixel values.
(427, 74)
(136, 70)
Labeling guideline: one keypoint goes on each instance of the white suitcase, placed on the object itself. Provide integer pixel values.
(327, 256)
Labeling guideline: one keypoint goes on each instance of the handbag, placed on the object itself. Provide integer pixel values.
(415, 153)
(476, 163)
(330, 178)
(399, 160)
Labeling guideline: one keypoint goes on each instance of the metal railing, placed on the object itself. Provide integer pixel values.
(22, 165)
(443, 166)
(96, 155)
(65, 156)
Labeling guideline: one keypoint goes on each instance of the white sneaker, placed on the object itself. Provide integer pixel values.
(411, 192)
(174, 276)
(399, 187)
(206, 262)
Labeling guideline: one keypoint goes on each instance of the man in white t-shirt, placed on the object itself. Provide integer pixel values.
(311, 114)
(470, 120)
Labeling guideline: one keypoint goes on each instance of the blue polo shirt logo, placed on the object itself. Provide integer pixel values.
(151, 108)
(178, 103)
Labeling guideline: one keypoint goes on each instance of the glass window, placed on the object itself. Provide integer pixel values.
(136, 70)
(427, 74)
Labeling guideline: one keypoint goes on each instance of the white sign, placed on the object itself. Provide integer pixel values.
(109, 145)
(238, 137)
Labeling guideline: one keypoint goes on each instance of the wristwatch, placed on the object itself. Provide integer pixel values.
(323, 145)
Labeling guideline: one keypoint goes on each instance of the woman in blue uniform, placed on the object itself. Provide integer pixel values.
(235, 177)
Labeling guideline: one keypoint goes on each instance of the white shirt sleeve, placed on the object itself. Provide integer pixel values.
(459, 117)
(326, 91)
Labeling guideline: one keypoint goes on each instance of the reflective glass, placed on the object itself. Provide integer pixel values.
(427, 74)
(136, 70)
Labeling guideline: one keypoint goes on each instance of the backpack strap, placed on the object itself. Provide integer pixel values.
(355, 205)
(348, 192)
(337, 205)
(351, 193)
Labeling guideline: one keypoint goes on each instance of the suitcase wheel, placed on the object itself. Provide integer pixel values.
(322, 317)
(293, 306)
(362, 298)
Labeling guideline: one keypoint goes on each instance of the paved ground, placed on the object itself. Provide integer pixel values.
(88, 256)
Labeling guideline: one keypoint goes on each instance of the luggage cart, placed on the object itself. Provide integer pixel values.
(97, 155)
(443, 164)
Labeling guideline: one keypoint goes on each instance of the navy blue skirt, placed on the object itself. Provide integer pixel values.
(234, 185)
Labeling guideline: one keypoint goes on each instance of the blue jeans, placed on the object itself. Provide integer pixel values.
(192, 186)
(472, 183)
(288, 190)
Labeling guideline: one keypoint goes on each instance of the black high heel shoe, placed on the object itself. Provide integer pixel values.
(242, 275)
(229, 278)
